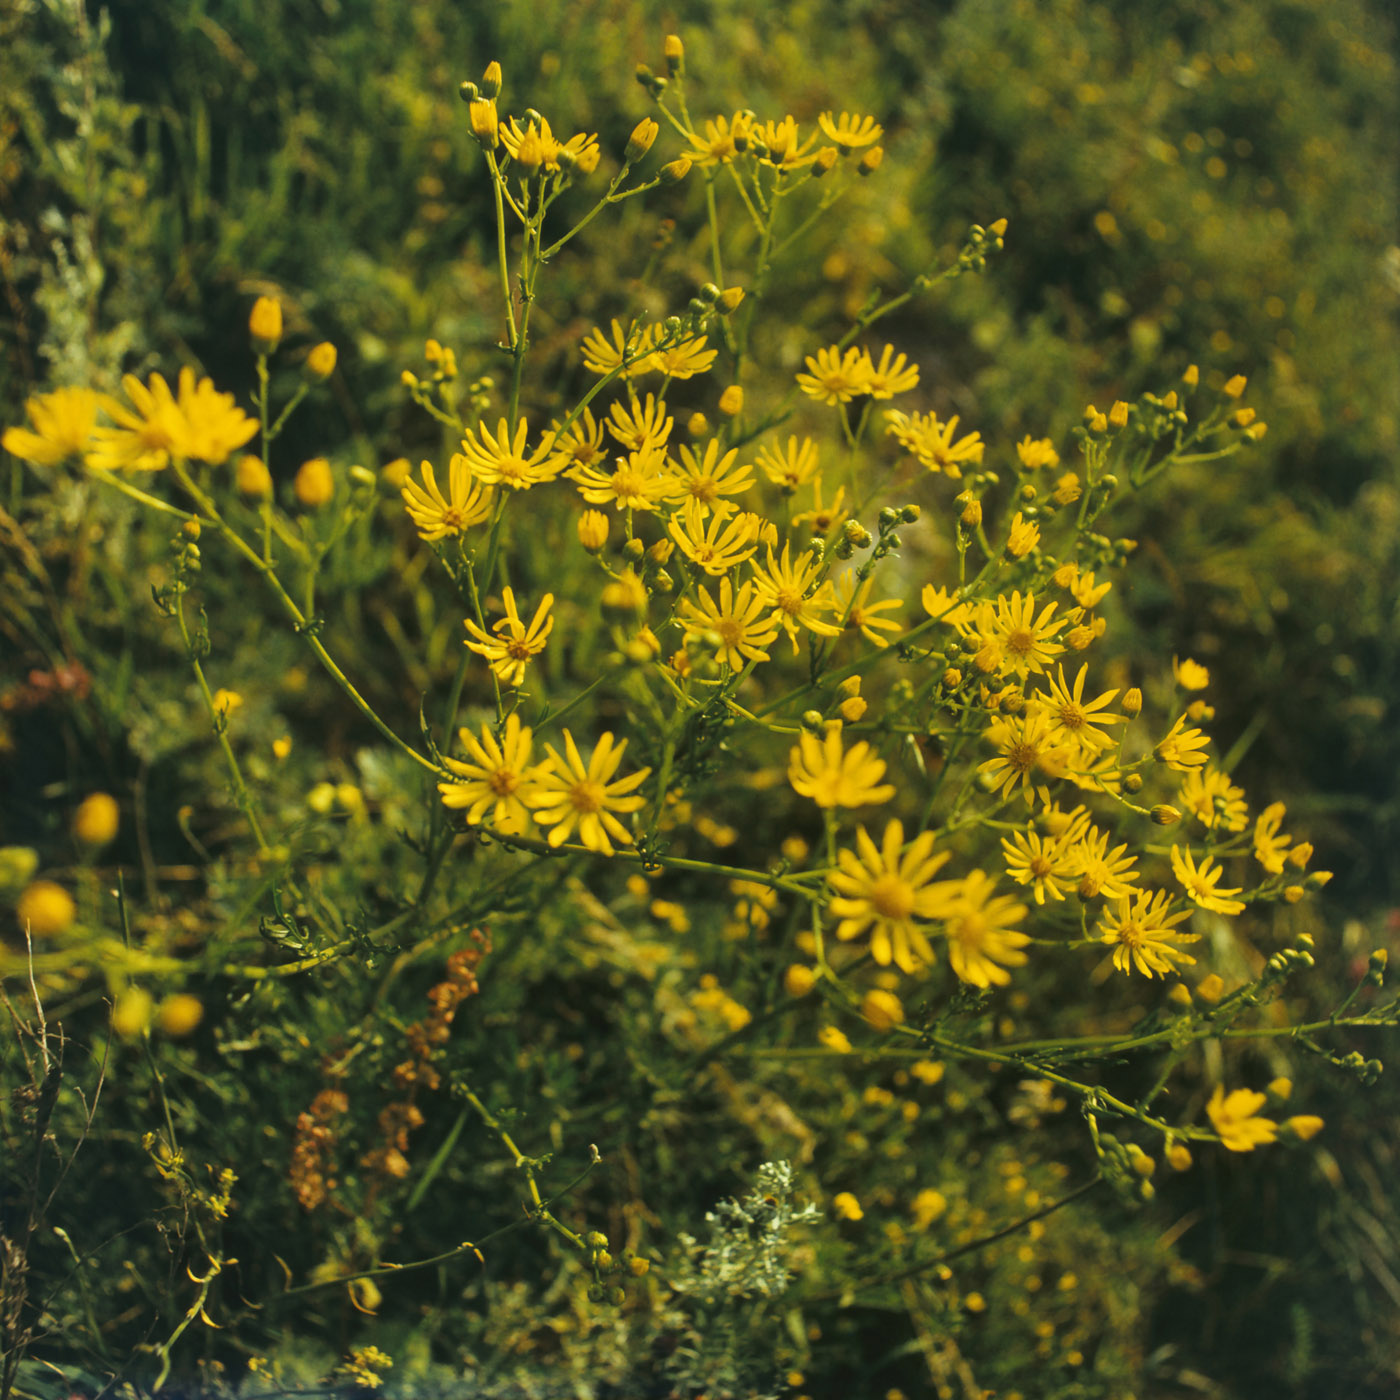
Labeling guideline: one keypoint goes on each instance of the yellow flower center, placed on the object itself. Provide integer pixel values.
(1071, 716)
(730, 630)
(1040, 868)
(1020, 640)
(454, 518)
(1022, 757)
(503, 782)
(519, 649)
(892, 897)
(587, 796)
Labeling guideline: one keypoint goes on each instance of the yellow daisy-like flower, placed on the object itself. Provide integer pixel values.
(718, 145)
(792, 468)
(1235, 1117)
(515, 645)
(1087, 593)
(846, 1207)
(1037, 452)
(467, 502)
(1180, 749)
(582, 445)
(638, 481)
(1101, 871)
(785, 150)
(1210, 796)
(834, 377)
(1270, 849)
(214, 427)
(716, 544)
(686, 360)
(603, 355)
(572, 794)
(502, 460)
(887, 893)
(1049, 867)
(851, 600)
(1201, 882)
(143, 440)
(643, 427)
(1142, 930)
(942, 606)
(792, 592)
(582, 147)
(832, 776)
(1023, 536)
(1013, 637)
(893, 375)
(498, 777)
(932, 443)
(63, 423)
(1074, 719)
(822, 519)
(1028, 756)
(706, 477)
(741, 623)
(982, 943)
(1190, 675)
(849, 132)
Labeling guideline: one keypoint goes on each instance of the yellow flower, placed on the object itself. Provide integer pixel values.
(1234, 1118)
(931, 442)
(884, 1011)
(467, 503)
(1190, 675)
(1028, 756)
(63, 424)
(1303, 1126)
(719, 145)
(738, 623)
(886, 892)
(179, 1013)
(515, 645)
(1048, 866)
(1201, 882)
(1037, 452)
(502, 461)
(834, 377)
(707, 477)
(572, 794)
(942, 606)
(849, 132)
(265, 321)
(1023, 537)
(834, 1039)
(928, 1206)
(1142, 929)
(1086, 592)
(1012, 636)
(252, 477)
(846, 1206)
(792, 468)
(1180, 748)
(791, 590)
(981, 942)
(142, 440)
(545, 147)
(832, 777)
(603, 355)
(498, 777)
(582, 444)
(1269, 846)
(1073, 719)
(822, 519)
(639, 481)
(213, 427)
(642, 428)
(320, 361)
(314, 483)
(851, 600)
(717, 545)
(686, 360)
(45, 908)
(96, 820)
(1101, 871)
(893, 375)
(1213, 799)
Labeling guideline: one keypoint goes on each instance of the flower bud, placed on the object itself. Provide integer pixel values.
(468, 92)
(882, 1009)
(593, 530)
(1179, 1157)
(320, 363)
(179, 1013)
(131, 1016)
(96, 820)
(952, 678)
(640, 142)
(971, 516)
(674, 171)
(799, 980)
(491, 81)
(731, 402)
(1191, 377)
(813, 721)
(1211, 988)
(1132, 702)
(1133, 782)
(265, 324)
(853, 709)
(638, 1267)
(870, 161)
(252, 477)
(1234, 386)
(1302, 1127)
(485, 124)
(1118, 414)
(825, 161)
(44, 909)
(397, 472)
(697, 425)
(314, 485)
(674, 51)
(1164, 814)
(729, 300)
(661, 551)
(1281, 1088)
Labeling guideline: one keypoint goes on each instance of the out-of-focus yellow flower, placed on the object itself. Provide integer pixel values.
(314, 483)
(63, 423)
(1234, 1117)
(45, 909)
(96, 820)
(179, 1013)
(320, 363)
(131, 1014)
(252, 477)
(265, 323)
(928, 1206)
(846, 1206)
(849, 131)
(931, 442)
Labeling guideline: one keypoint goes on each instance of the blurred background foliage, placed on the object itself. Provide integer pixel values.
(1185, 182)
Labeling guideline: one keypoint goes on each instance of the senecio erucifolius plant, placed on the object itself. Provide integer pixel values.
(690, 627)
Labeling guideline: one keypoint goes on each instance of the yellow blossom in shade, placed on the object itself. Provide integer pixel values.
(1303, 1126)
(502, 460)
(785, 150)
(1028, 756)
(143, 440)
(179, 1013)
(892, 375)
(638, 481)
(1181, 748)
(314, 483)
(1201, 882)
(931, 442)
(1269, 846)
(96, 821)
(546, 147)
(686, 360)
(851, 599)
(1037, 452)
(1068, 827)
(212, 426)
(642, 428)
(1087, 593)
(716, 544)
(515, 644)
(496, 777)
(252, 477)
(742, 624)
(824, 517)
(846, 1207)
(982, 943)
(1048, 867)
(791, 468)
(1210, 796)
(1141, 929)
(572, 794)
(883, 1010)
(1073, 719)
(849, 131)
(1102, 871)
(467, 502)
(63, 423)
(265, 321)
(717, 146)
(834, 377)
(603, 354)
(1234, 1117)
(1067, 489)
(792, 592)
(1190, 675)
(581, 444)
(927, 1207)
(707, 477)
(1023, 537)
(833, 776)
(942, 606)
(886, 892)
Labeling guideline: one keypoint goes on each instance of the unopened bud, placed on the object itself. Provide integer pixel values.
(593, 530)
(320, 363)
(1191, 377)
(1164, 814)
(972, 514)
(813, 721)
(799, 980)
(952, 678)
(265, 324)
(640, 142)
(870, 161)
(674, 51)
(731, 402)
(729, 300)
(674, 171)
(485, 125)
(697, 425)
(491, 81)
(1234, 386)
(252, 477)
(1132, 702)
